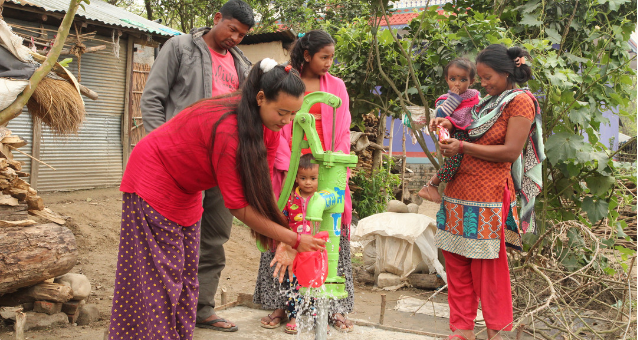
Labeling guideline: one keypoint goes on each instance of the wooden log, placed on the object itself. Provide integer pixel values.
(43, 291)
(35, 203)
(22, 223)
(88, 92)
(46, 213)
(425, 281)
(14, 140)
(19, 211)
(22, 174)
(20, 194)
(8, 173)
(20, 184)
(16, 165)
(8, 200)
(4, 183)
(29, 255)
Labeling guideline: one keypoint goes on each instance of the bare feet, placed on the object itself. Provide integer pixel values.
(274, 319)
(493, 334)
(430, 193)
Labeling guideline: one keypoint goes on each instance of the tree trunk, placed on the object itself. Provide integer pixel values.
(29, 255)
(377, 155)
(149, 9)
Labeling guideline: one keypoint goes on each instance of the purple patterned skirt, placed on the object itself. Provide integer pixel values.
(156, 284)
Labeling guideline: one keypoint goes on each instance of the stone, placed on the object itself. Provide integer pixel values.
(388, 280)
(397, 207)
(9, 312)
(47, 307)
(413, 208)
(79, 283)
(88, 314)
(41, 320)
(27, 306)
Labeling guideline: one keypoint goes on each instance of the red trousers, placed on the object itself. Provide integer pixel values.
(470, 280)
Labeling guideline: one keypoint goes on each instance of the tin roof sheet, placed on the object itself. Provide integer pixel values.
(103, 12)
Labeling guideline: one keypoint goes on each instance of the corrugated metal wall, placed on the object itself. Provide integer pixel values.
(89, 160)
(93, 158)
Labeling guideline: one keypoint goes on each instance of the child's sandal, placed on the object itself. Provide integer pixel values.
(291, 329)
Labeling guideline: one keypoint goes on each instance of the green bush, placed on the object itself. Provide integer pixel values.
(371, 192)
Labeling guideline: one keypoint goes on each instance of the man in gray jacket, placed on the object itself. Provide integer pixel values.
(202, 64)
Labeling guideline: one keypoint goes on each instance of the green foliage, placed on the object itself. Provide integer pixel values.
(581, 68)
(371, 192)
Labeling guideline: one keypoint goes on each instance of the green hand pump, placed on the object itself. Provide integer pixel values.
(327, 204)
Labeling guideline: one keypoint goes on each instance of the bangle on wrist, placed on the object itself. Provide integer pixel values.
(297, 243)
(461, 147)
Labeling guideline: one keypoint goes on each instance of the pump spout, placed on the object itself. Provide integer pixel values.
(320, 202)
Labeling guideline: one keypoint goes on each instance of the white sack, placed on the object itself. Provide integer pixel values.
(403, 242)
(9, 91)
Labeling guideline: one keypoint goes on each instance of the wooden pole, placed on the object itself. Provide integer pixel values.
(382, 313)
(391, 139)
(224, 297)
(21, 319)
(404, 159)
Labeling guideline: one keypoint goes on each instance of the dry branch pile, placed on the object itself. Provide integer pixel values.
(364, 142)
(552, 302)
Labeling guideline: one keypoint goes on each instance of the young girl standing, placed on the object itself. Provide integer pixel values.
(312, 56)
(228, 142)
(455, 106)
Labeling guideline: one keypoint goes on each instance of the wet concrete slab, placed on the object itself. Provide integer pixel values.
(247, 319)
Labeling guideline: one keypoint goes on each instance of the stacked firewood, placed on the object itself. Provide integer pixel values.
(363, 143)
(18, 199)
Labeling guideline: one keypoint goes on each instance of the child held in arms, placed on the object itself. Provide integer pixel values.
(456, 106)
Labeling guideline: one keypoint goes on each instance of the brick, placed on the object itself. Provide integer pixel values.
(72, 306)
(73, 318)
(47, 307)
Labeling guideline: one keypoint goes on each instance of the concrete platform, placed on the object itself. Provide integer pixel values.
(247, 319)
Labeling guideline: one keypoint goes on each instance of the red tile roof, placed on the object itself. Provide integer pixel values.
(404, 15)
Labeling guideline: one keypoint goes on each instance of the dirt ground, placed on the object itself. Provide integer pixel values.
(94, 219)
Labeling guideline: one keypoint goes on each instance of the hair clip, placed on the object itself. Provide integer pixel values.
(287, 68)
(300, 35)
(519, 61)
(267, 64)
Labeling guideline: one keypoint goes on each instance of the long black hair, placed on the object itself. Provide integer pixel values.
(312, 42)
(252, 161)
(252, 154)
(501, 59)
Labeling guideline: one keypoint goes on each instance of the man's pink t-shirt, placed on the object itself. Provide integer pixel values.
(225, 78)
(171, 166)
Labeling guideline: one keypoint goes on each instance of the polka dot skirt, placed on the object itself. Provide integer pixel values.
(156, 286)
